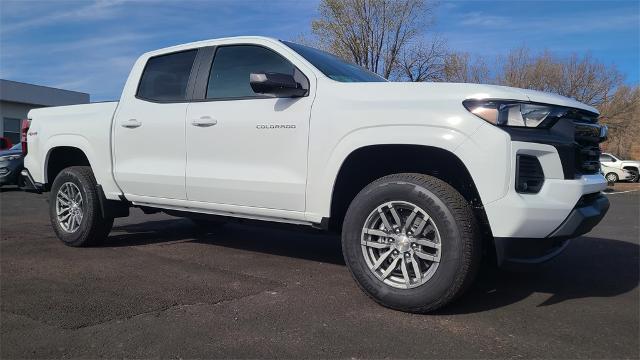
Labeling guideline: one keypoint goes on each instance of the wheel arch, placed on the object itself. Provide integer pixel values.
(61, 157)
(368, 163)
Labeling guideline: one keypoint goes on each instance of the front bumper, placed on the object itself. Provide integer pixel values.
(522, 215)
(534, 227)
(584, 216)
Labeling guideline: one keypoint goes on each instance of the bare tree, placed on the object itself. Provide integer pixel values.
(621, 112)
(521, 69)
(372, 33)
(461, 67)
(578, 77)
(422, 61)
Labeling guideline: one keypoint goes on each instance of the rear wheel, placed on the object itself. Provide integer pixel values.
(612, 177)
(74, 208)
(411, 242)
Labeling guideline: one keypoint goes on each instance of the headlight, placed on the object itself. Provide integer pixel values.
(514, 113)
(10, 157)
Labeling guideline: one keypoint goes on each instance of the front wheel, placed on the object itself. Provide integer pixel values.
(634, 176)
(74, 208)
(411, 242)
(612, 178)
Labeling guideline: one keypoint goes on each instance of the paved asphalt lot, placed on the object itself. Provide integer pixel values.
(160, 289)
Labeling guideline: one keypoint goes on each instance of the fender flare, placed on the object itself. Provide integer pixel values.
(420, 135)
(70, 141)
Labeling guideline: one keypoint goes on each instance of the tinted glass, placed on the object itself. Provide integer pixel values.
(13, 137)
(165, 77)
(334, 67)
(11, 125)
(605, 158)
(11, 129)
(229, 76)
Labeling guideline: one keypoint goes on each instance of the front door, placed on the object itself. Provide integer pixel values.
(244, 148)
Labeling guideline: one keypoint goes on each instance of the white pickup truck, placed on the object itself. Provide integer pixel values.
(422, 179)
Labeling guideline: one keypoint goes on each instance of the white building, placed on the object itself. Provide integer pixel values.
(16, 99)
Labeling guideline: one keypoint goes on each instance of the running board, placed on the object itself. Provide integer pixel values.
(223, 213)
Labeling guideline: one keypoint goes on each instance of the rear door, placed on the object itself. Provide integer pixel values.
(149, 133)
(244, 148)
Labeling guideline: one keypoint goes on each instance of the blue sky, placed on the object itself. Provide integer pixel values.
(89, 46)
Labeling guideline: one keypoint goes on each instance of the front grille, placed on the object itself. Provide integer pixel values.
(587, 146)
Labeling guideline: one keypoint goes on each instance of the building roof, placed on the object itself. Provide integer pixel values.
(20, 92)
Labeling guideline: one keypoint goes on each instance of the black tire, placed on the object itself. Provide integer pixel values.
(93, 228)
(636, 176)
(612, 177)
(459, 233)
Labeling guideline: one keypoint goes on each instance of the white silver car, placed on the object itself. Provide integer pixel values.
(614, 175)
(632, 166)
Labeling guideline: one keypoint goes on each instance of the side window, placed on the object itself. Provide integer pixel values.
(11, 130)
(165, 77)
(605, 158)
(229, 76)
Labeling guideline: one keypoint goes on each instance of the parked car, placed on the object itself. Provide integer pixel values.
(613, 175)
(11, 163)
(421, 179)
(632, 166)
(5, 143)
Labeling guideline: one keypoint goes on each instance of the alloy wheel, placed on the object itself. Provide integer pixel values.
(69, 207)
(611, 177)
(401, 244)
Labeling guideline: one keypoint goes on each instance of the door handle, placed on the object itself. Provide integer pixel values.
(131, 124)
(204, 121)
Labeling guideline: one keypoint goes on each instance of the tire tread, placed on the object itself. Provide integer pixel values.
(467, 226)
(100, 226)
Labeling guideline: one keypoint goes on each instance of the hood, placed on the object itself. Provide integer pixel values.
(10, 152)
(435, 91)
(630, 162)
(506, 92)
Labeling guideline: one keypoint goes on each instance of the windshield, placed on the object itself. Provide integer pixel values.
(17, 146)
(334, 67)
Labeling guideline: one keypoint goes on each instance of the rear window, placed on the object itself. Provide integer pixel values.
(165, 77)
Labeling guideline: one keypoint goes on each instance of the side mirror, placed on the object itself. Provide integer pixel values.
(278, 84)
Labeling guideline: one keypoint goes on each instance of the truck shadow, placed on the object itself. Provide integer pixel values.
(275, 239)
(589, 267)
